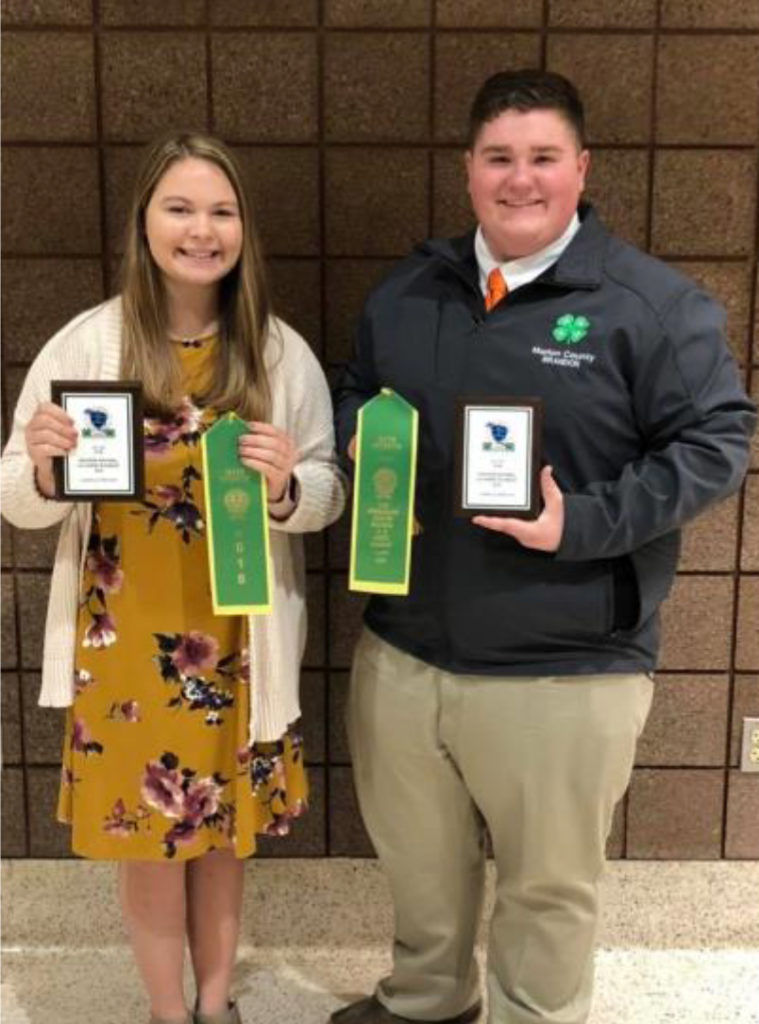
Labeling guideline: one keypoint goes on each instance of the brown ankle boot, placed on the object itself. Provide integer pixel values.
(229, 1016)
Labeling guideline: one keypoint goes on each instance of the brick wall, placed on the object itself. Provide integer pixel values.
(348, 117)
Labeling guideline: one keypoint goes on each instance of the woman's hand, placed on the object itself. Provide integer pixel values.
(50, 432)
(273, 453)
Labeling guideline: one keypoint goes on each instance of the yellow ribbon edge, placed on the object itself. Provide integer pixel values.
(381, 587)
(219, 609)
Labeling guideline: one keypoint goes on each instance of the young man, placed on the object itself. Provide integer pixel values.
(508, 690)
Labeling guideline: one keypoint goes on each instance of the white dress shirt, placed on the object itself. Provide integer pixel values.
(519, 272)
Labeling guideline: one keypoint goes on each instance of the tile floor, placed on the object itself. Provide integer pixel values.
(680, 944)
(304, 986)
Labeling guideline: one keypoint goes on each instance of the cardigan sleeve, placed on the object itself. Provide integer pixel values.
(21, 502)
(88, 348)
(299, 386)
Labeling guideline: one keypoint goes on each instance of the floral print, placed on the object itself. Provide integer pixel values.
(126, 711)
(194, 652)
(182, 428)
(182, 656)
(82, 679)
(281, 821)
(162, 787)
(106, 576)
(103, 562)
(122, 823)
(198, 694)
(176, 505)
(101, 632)
(192, 802)
(266, 764)
(82, 741)
(169, 501)
(151, 769)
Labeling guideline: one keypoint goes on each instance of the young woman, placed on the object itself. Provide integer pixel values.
(180, 740)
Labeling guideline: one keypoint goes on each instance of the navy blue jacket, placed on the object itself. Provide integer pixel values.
(645, 424)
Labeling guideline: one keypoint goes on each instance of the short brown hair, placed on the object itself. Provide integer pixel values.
(528, 89)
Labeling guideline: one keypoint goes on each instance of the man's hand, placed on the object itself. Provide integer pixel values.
(541, 534)
(352, 449)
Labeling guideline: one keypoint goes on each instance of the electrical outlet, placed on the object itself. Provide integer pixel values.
(750, 747)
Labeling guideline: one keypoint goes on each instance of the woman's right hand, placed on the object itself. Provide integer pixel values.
(48, 433)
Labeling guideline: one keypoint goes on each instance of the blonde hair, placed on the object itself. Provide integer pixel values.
(240, 381)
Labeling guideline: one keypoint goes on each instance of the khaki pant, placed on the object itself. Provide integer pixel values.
(540, 762)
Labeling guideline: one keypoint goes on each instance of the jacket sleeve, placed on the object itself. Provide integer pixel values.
(358, 383)
(696, 422)
(320, 484)
(21, 502)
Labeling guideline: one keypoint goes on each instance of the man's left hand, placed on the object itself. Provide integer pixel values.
(543, 533)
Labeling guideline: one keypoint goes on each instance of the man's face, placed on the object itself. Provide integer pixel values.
(525, 174)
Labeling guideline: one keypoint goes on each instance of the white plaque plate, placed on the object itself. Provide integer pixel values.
(107, 462)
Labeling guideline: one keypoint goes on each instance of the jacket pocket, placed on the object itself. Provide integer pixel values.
(654, 566)
(529, 605)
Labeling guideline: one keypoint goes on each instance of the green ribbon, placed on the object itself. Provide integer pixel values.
(238, 523)
(383, 498)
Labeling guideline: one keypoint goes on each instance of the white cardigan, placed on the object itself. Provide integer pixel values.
(89, 348)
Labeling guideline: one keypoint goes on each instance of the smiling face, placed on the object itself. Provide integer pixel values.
(525, 175)
(193, 224)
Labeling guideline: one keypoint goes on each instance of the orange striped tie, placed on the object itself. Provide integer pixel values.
(497, 289)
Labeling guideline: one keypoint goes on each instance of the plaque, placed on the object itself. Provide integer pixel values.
(108, 461)
(497, 458)
(383, 496)
(237, 522)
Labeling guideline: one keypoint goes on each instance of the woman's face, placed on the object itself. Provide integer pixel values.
(193, 224)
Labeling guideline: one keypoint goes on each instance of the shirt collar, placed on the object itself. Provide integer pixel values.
(521, 271)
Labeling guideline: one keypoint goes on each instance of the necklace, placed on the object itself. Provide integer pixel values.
(196, 339)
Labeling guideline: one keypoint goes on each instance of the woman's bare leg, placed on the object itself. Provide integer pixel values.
(154, 911)
(214, 905)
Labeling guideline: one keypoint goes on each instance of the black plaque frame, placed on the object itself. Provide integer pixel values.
(497, 402)
(59, 389)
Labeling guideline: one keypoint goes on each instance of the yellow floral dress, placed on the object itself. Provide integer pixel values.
(156, 758)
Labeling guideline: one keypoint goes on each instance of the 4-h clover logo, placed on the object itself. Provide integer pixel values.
(570, 329)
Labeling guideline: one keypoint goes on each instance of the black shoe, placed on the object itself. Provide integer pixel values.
(371, 1011)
